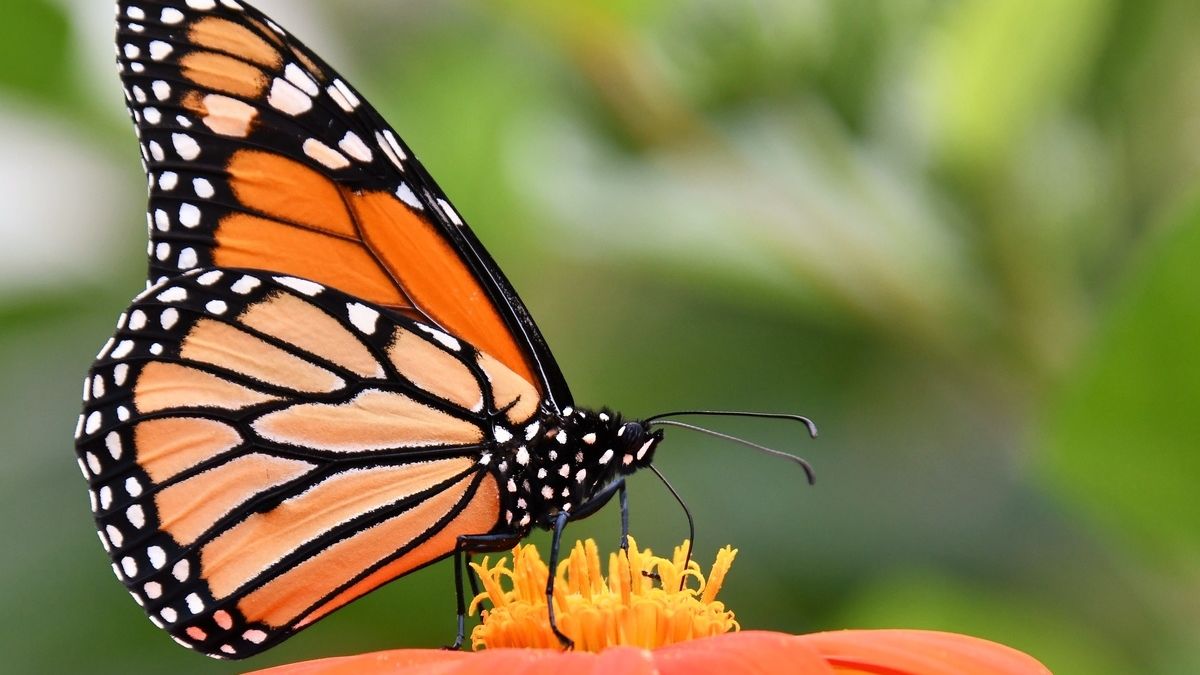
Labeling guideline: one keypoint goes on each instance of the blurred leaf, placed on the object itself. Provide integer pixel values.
(995, 65)
(1124, 437)
(35, 50)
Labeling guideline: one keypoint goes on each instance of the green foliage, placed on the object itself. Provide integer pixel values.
(1124, 435)
(36, 50)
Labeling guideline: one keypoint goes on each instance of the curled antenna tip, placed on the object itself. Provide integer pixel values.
(812, 428)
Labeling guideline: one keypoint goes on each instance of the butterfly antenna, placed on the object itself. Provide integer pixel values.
(691, 540)
(808, 424)
(808, 470)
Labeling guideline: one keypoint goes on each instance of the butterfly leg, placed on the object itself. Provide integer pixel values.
(467, 544)
(624, 497)
(560, 522)
(601, 498)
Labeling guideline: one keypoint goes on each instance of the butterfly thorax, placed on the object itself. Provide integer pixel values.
(565, 459)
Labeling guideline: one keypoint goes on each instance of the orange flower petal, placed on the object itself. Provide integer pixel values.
(918, 652)
(749, 651)
(851, 652)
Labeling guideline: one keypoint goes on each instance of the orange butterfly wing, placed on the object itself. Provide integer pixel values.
(261, 156)
(302, 404)
(262, 450)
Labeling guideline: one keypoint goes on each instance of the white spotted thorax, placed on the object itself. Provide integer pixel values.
(558, 462)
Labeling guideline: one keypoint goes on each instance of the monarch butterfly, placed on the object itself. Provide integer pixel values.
(327, 383)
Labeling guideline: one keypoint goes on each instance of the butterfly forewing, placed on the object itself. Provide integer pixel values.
(261, 156)
(262, 449)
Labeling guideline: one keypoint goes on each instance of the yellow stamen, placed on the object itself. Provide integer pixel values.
(627, 608)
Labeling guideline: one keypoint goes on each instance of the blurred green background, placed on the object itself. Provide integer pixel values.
(963, 236)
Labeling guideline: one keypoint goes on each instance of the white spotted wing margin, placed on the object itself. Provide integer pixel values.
(240, 425)
(215, 85)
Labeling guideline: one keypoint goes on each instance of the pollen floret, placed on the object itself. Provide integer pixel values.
(646, 601)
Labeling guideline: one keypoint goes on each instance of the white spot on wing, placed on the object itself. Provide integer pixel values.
(123, 349)
(160, 50)
(173, 294)
(325, 155)
(188, 259)
(342, 95)
(194, 603)
(113, 442)
(189, 215)
(352, 145)
(364, 318)
(136, 516)
(387, 143)
(450, 212)
(210, 278)
(296, 75)
(309, 288)
(171, 16)
(204, 189)
(287, 98)
(406, 195)
(245, 285)
(445, 340)
(185, 146)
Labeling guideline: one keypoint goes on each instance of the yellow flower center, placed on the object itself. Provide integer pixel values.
(646, 601)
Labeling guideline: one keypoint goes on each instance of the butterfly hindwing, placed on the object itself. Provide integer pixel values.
(261, 156)
(262, 449)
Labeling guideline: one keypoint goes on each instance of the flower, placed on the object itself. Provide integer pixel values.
(646, 601)
(657, 615)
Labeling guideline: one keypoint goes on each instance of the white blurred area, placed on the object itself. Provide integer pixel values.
(70, 204)
(60, 195)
